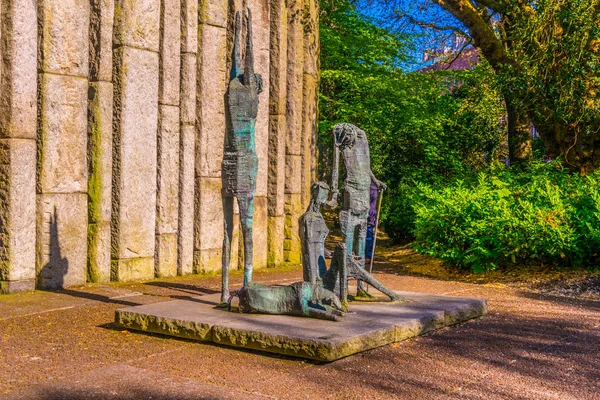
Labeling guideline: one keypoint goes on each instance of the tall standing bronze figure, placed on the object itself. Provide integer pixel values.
(351, 142)
(240, 163)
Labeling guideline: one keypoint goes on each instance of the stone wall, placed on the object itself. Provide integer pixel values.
(112, 123)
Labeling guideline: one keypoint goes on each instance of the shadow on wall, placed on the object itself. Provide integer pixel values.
(52, 274)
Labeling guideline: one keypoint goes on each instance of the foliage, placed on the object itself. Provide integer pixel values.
(556, 45)
(422, 127)
(503, 217)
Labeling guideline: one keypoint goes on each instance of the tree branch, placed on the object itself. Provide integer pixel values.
(458, 54)
(432, 25)
(480, 30)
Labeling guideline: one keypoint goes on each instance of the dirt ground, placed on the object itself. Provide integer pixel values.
(540, 340)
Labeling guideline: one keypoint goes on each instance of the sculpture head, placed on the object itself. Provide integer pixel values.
(345, 135)
(319, 191)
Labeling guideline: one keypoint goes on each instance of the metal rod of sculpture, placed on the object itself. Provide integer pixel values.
(313, 232)
(375, 233)
(240, 163)
(351, 142)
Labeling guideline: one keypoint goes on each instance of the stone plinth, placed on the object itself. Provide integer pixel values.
(373, 324)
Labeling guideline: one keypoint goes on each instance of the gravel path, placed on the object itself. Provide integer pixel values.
(531, 345)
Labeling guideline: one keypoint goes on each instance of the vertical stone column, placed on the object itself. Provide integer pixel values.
(62, 204)
(211, 88)
(100, 113)
(293, 159)
(18, 110)
(261, 40)
(277, 131)
(309, 97)
(167, 212)
(189, 48)
(135, 122)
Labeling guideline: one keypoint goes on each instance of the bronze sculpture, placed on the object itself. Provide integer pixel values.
(313, 232)
(351, 142)
(345, 267)
(240, 163)
(301, 299)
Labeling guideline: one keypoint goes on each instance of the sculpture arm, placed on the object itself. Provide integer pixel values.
(380, 185)
(335, 176)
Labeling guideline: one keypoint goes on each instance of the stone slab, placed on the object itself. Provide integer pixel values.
(62, 143)
(17, 211)
(137, 24)
(170, 55)
(373, 324)
(135, 156)
(64, 26)
(185, 242)
(62, 227)
(18, 81)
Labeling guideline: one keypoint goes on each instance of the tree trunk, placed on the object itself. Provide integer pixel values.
(579, 151)
(519, 135)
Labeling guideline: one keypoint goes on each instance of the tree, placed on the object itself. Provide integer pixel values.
(546, 54)
(422, 127)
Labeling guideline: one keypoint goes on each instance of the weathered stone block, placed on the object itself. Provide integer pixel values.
(295, 70)
(168, 170)
(62, 148)
(100, 154)
(209, 260)
(134, 166)
(189, 26)
(62, 227)
(275, 238)
(17, 213)
(101, 39)
(18, 79)
(293, 173)
(137, 24)
(237, 245)
(309, 135)
(186, 200)
(277, 162)
(166, 255)
(10, 287)
(260, 39)
(291, 244)
(64, 27)
(213, 12)
(98, 269)
(259, 233)
(311, 37)
(212, 85)
(208, 227)
(132, 269)
(188, 89)
(278, 58)
(170, 52)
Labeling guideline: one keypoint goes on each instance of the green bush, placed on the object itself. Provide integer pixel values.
(509, 216)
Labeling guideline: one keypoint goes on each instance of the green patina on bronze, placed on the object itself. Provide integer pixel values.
(302, 299)
(351, 142)
(240, 162)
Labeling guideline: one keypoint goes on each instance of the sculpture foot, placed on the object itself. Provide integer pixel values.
(363, 294)
(224, 299)
(398, 299)
(223, 304)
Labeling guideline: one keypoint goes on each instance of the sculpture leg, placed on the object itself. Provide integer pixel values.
(360, 273)
(228, 225)
(361, 242)
(246, 204)
(347, 225)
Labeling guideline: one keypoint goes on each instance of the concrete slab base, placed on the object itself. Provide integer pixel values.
(373, 324)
